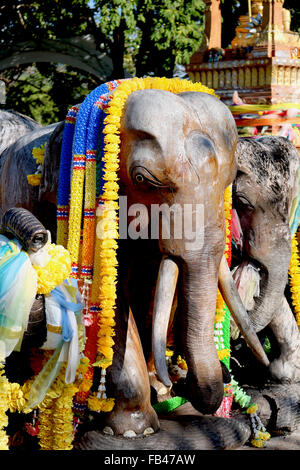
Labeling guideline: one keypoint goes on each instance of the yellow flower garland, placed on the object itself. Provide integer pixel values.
(55, 411)
(56, 416)
(4, 406)
(55, 272)
(220, 305)
(294, 277)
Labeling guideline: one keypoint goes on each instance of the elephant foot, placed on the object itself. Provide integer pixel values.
(131, 423)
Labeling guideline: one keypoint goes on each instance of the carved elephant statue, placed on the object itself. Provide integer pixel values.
(263, 192)
(175, 149)
(17, 159)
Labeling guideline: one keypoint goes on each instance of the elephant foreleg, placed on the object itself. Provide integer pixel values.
(128, 382)
(286, 368)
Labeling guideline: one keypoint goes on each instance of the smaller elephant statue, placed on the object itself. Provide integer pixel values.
(263, 192)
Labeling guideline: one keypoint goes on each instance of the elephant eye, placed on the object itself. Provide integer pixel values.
(242, 202)
(140, 175)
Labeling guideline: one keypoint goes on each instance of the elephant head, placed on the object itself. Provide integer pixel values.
(263, 192)
(179, 151)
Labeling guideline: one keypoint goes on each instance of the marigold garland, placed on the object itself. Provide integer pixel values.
(222, 315)
(4, 406)
(294, 278)
(38, 154)
(56, 271)
(55, 430)
(56, 415)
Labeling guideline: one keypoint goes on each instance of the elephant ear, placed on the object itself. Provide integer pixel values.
(51, 162)
(216, 121)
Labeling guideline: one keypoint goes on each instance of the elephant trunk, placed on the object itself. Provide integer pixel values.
(234, 303)
(274, 278)
(269, 301)
(199, 291)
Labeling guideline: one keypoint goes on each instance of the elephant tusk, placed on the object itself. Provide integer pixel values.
(233, 301)
(163, 300)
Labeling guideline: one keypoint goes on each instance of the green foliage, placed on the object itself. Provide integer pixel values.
(142, 37)
(23, 20)
(45, 91)
(150, 36)
(173, 28)
(34, 100)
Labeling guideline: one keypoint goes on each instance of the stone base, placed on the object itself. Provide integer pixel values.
(183, 429)
(278, 407)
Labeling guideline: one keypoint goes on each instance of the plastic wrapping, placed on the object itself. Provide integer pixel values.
(18, 284)
(247, 279)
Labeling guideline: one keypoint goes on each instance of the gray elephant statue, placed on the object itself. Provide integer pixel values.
(176, 149)
(263, 192)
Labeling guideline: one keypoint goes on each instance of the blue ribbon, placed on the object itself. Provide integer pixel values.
(67, 332)
(10, 268)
